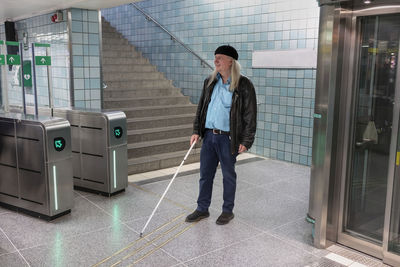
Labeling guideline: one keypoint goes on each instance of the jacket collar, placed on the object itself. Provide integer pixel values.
(219, 76)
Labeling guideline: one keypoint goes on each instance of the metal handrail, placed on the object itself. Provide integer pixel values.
(173, 37)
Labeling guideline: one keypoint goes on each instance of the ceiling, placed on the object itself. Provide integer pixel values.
(15, 10)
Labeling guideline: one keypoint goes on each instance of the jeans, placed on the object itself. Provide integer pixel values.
(216, 149)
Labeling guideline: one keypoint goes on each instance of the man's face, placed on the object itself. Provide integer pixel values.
(222, 63)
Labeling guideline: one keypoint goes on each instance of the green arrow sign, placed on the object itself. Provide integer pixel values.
(13, 60)
(317, 116)
(118, 132)
(59, 143)
(2, 60)
(43, 60)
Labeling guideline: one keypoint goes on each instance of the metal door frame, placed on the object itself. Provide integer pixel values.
(350, 80)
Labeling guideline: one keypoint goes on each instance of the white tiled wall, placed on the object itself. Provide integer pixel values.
(40, 29)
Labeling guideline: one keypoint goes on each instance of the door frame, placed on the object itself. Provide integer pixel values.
(350, 81)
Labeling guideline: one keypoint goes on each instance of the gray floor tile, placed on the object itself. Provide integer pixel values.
(263, 250)
(205, 237)
(25, 231)
(94, 247)
(298, 234)
(185, 190)
(3, 210)
(269, 227)
(133, 204)
(297, 187)
(256, 175)
(266, 210)
(286, 167)
(181, 190)
(5, 245)
(269, 171)
(160, 222)
(79, 193)
(189, 185)
(12, 260)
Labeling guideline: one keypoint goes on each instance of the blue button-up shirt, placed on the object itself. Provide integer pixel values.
(218, 113)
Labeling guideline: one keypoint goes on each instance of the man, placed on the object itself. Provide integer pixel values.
(226, 121)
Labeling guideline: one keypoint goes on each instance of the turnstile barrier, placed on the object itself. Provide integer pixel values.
(36, 165)
(99, 149)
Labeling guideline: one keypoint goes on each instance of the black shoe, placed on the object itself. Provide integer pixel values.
(224, 218)
(197, 216)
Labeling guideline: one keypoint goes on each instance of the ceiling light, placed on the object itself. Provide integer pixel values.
(367, 1)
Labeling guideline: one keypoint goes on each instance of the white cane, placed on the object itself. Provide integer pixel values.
(166, 190)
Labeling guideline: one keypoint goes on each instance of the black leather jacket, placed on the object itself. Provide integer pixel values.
(243, 114)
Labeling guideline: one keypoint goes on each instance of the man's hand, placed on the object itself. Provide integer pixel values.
(194, 138)
(242, 149)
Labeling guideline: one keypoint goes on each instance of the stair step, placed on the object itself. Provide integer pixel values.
(161, 161)
(116, 53)
(159, 121)
(115, 93)
(139, 112)
(159, 133)
(138, 84)
(107, 29)
(108, 47)
(145, 101)
(154, 147)
(116, 41)
(125, 61)
(128, 68)
(126, 76)
(109, 34)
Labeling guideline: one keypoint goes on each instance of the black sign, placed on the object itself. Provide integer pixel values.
(59, 144)
(118, 132)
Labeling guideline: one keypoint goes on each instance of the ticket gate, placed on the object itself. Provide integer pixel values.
(99, 149)
(36, 165)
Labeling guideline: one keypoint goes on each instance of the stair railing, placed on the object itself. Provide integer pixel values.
(173, 37)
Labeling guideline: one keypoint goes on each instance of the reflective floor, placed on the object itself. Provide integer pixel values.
(269, 228)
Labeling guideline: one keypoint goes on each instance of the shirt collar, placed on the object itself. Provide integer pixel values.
(220, 77)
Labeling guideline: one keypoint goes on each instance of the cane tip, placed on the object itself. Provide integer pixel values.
(141, 235)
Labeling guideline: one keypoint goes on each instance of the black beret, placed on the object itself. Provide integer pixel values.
(227, 50)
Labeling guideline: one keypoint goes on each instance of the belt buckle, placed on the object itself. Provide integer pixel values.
(215, 131)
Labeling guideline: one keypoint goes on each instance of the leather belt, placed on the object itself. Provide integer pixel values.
(216, 131)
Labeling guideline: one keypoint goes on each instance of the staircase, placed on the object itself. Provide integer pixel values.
(159, 117)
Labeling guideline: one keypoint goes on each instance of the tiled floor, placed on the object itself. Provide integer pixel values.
(269, 228)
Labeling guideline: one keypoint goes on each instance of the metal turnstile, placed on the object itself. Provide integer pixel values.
(99, 149)
(36, 165)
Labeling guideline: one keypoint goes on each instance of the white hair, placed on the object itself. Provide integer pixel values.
(235, 75)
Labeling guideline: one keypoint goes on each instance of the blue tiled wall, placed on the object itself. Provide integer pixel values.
(85, 41)
(40, 29)
(285, 96)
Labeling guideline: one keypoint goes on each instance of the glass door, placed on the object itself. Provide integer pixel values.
(372, 121)
(394, 229)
